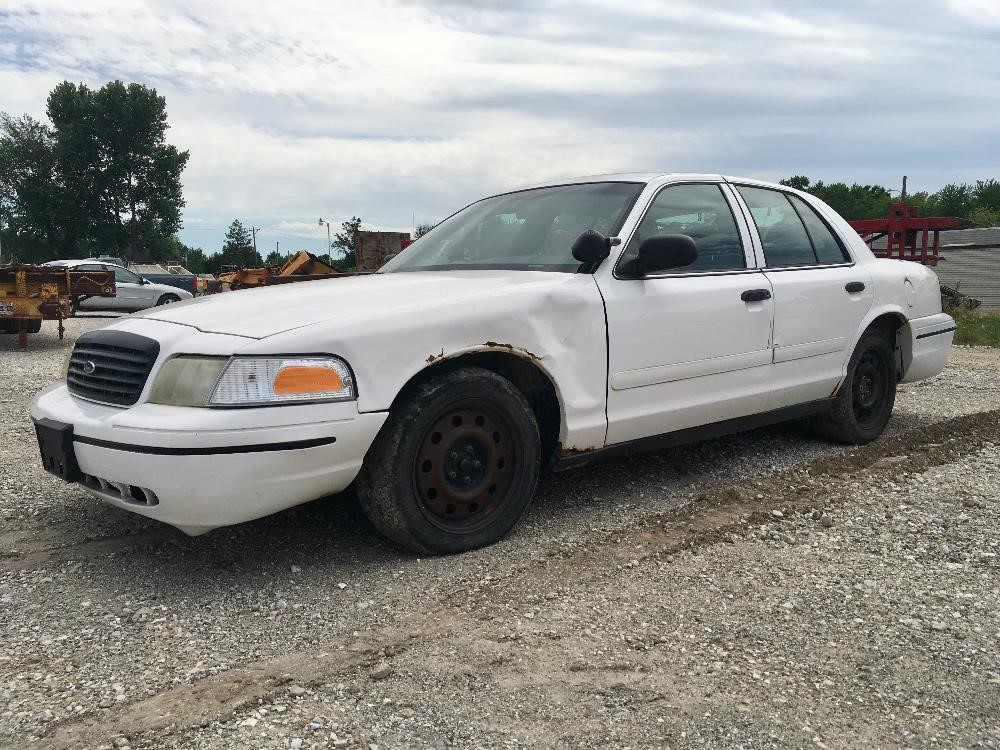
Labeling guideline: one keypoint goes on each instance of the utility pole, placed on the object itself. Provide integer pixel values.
(254, 230)
(902, 195)
(329, 244)
(276, 243)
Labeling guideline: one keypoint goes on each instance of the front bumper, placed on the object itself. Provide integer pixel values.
(925, 346)
(198, 469)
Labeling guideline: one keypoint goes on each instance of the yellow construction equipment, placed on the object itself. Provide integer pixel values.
(31, 294)
(303, 266)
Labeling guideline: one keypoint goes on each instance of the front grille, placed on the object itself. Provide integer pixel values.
(111, 366)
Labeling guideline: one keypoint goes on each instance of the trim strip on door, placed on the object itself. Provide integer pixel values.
(623, 381)
(809, 349)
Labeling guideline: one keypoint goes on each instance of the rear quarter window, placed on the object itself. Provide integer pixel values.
(828, 246)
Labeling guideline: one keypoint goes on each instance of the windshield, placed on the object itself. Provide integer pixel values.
(531, 230)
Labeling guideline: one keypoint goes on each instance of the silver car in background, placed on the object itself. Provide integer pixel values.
(134, 291)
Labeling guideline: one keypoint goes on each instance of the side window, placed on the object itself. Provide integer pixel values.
(88, 267)
(124, 276)
(785, 240)
(828, 247)
(701, 212)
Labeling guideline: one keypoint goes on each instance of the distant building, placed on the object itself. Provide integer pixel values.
(375, 248)
(970, 263)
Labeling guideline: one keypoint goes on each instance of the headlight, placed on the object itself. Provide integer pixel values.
(256, 381)
(187, 381)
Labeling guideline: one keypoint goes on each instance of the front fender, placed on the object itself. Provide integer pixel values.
(558, 328)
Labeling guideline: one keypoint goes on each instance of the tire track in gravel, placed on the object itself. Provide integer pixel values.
(43, 553)
(43, 547)
(720, 508)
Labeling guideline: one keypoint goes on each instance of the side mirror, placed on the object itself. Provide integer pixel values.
(591, 247)
(662, 253)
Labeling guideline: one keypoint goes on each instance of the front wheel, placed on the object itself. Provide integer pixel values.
(863, 405)
(167, 299)
(455, 465)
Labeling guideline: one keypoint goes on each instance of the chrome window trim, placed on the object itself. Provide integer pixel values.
(810, 267)
(690, 274)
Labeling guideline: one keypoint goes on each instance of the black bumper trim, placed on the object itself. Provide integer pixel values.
(937, 333)
(215, 451)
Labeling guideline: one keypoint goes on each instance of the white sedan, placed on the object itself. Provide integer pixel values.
(133, 291)
(550, 325)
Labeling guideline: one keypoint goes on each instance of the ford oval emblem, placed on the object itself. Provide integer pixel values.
(89, 367)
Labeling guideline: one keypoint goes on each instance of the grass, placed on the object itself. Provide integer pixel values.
(976, 327)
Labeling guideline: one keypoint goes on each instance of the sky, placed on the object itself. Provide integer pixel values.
(403, 112)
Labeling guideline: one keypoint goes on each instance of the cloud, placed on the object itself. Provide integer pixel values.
(400, 111)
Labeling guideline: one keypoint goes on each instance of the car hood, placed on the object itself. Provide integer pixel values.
(266, 311)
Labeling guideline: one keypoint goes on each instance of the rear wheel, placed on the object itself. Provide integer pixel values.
(454, 467)
(167, 299)
(861, 409)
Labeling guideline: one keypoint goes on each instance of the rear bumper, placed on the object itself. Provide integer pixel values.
(198, 469)
(926, 343)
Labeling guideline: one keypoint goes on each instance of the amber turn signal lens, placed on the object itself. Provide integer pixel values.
(300, 379)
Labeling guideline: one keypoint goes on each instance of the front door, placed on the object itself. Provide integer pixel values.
(133, 292)
(820, 295)
(693, 345)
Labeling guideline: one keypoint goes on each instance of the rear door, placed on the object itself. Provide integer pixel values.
(820, 295)
(689, 346)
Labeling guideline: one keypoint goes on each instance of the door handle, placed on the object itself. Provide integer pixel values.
(756, 295)
(853, 287)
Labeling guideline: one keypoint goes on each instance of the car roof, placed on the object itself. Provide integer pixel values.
(78, 261)
(648, 177)
(618, 177)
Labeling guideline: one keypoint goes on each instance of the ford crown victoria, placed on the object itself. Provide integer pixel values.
(553, 324)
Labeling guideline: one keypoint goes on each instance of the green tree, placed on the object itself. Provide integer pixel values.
(924, 202)
(422, 229)
(986, 194)
(118, 173)
(799, 182)
(985, 217)
(274, 258)
(852, 202)
(237, 248)
(954, 200)
(346, 240)
(103, 179)
(196, 261)
(28, 194)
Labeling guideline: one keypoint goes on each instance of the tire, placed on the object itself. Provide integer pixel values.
(167, 299)
(863, 405)
(454, 466)
(34, 325)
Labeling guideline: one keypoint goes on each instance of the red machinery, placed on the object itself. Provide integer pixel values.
(908, 236)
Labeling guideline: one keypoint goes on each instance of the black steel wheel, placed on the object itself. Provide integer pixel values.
(465, 467)
(455, 465)
(863, 405)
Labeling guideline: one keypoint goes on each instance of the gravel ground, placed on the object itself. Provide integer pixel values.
(648, 601)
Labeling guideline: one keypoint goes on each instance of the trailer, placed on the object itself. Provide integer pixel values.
(907, 234)
(30, 294)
